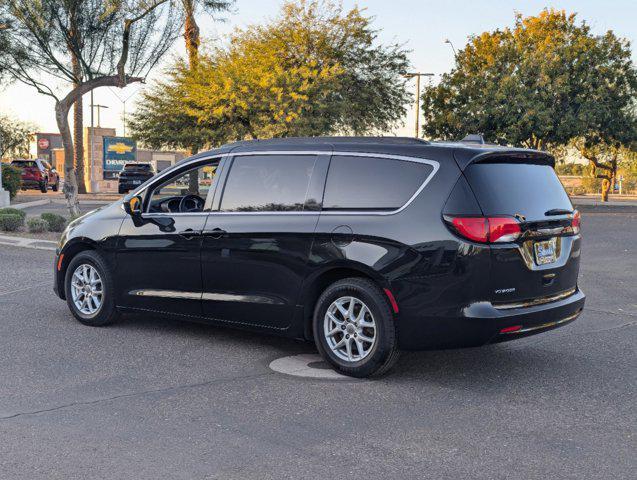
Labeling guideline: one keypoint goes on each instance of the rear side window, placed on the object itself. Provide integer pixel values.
(267, 183)
(371, 183)
(517, 188)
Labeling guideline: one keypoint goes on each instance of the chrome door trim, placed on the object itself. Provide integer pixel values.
(435, 164)
(175, 294)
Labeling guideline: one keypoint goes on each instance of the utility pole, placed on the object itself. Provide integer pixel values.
(418, 75)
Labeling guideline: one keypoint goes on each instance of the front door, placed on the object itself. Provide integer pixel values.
(258, 238)
(159, 254)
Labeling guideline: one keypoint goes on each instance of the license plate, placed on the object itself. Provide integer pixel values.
(545, 252)
(136, 182)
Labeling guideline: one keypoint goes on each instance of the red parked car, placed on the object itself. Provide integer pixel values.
(38, 174)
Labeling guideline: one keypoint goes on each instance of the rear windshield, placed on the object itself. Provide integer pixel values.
(142, 167)
(517, 188)
(24, 164)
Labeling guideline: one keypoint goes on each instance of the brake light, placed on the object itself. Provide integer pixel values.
(473, 228)
(487, 229)
(576, 221)
(503, 229)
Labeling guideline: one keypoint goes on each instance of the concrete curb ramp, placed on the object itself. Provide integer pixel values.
(35, 203)
(28, 242)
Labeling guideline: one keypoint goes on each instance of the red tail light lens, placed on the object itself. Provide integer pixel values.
(487, 229)
(472, 228)
(503, 229)
(576, 221)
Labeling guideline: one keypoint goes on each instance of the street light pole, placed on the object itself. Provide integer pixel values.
(99, 107)
(418, 75)
(455, 55)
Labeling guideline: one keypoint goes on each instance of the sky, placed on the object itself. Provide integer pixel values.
(421, 25)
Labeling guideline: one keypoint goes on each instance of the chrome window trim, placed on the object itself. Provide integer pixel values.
(207, 201)
(433, 163)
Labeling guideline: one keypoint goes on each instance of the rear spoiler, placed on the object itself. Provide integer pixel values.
(467, 156)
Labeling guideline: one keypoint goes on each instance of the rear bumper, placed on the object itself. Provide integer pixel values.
(129, 185)
(482, 323)
(31, 183)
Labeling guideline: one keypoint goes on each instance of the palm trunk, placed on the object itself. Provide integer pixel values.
(191, 33)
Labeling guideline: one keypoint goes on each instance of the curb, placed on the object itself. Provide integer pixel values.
(35, 203)
(28, 242)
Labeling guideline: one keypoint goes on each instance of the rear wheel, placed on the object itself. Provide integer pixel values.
(43, 186)
(89, 289)
(354, 328)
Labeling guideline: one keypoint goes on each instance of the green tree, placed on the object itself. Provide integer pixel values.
(14, 137)
(315, 69)
(546, 81)
(87, 43)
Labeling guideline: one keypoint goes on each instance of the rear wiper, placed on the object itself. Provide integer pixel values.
(557, 211)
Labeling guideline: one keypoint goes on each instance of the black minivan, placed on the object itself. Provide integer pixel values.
(365, 245)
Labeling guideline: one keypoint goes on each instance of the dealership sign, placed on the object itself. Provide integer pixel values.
(118, 151)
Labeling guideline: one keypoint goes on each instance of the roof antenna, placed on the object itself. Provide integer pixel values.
(474, 138)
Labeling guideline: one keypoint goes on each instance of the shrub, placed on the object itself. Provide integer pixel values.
(10, 222)
(55, 222)
(11, 179)
(592, 184)
(13, 211)
(37, 225)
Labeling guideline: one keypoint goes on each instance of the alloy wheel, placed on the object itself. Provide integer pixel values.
(87, 289)
(350, 329)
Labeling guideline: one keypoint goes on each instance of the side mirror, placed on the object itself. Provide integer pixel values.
(133, 206)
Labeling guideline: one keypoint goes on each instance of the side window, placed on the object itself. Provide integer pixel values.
(194, 183)
(370, 183)
(267, 183)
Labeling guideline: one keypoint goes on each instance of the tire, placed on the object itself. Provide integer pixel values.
(43, 187)
(106, 313)
(377, 356)
(56, 186)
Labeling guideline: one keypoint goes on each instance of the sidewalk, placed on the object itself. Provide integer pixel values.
(24, 242)
(614, 201)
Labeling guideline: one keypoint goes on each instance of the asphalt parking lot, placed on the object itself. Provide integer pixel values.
(150, 398)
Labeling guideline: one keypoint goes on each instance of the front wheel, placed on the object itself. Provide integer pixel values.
(89, 289)
(56, 186)
(354, 328)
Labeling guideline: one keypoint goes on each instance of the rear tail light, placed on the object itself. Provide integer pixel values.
(576, 221)
(486, 229)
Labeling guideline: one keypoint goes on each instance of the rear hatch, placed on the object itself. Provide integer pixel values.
(30, 170)
(136, 174)
(541, 262)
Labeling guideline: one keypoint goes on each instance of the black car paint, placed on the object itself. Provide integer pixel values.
(264, 270)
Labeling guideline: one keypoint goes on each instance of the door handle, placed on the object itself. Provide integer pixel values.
(190, 233)
(215, 233)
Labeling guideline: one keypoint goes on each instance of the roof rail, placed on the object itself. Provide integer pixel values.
(335, 140)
